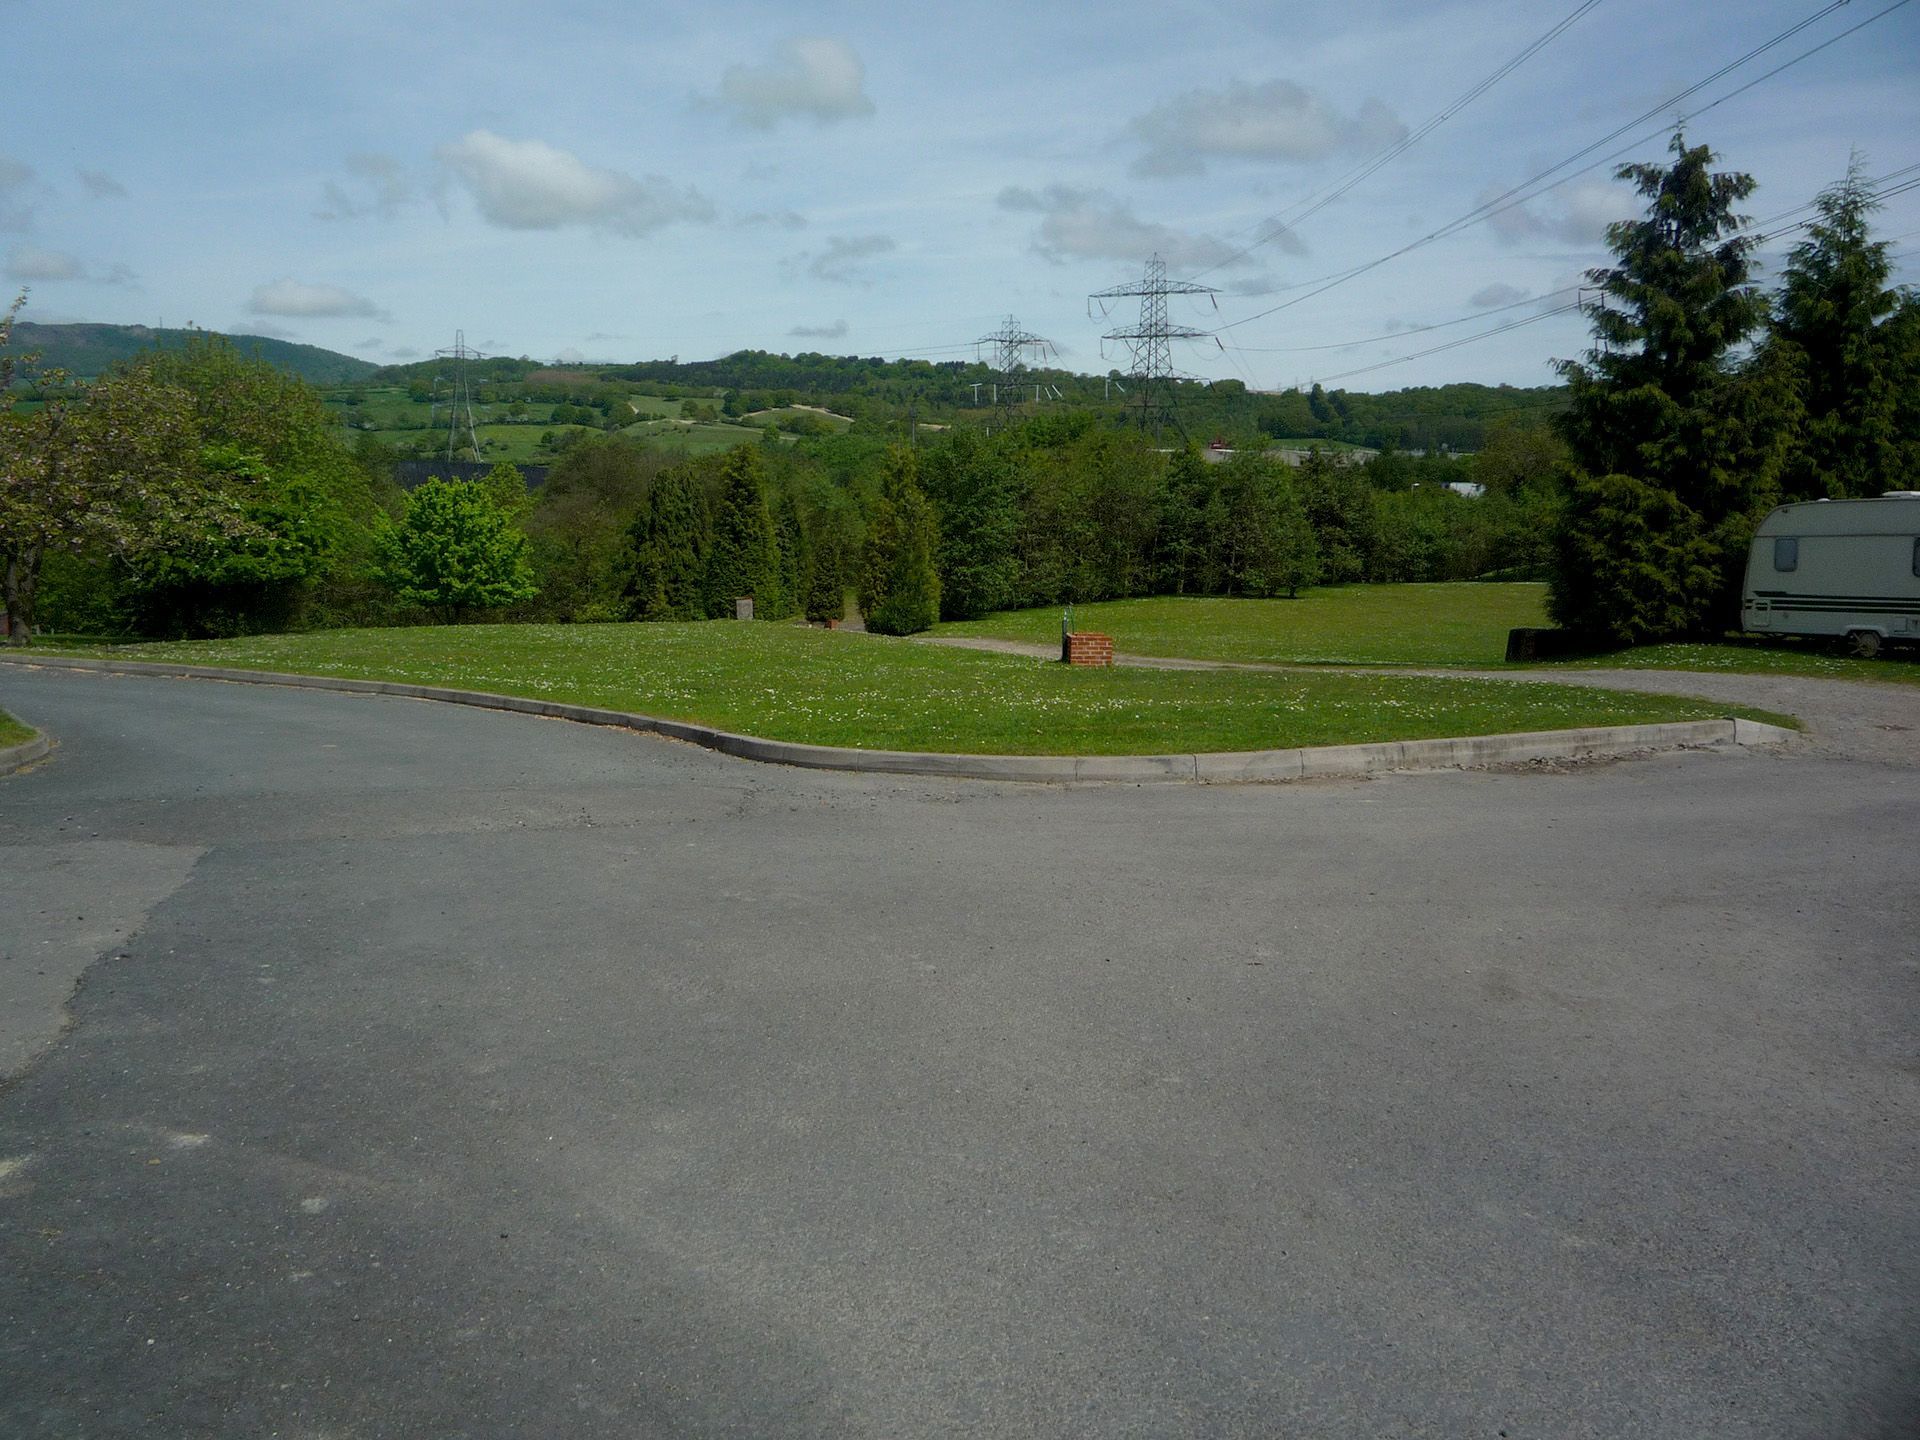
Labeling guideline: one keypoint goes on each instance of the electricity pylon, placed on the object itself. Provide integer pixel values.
(1151, 342)
(1010, 345)
(458, 395)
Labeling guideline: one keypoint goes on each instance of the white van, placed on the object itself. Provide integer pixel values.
(1838, 567)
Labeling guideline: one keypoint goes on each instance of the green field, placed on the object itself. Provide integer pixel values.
(12, 732)
(789, 682)
(1441, 625)
(696, 438)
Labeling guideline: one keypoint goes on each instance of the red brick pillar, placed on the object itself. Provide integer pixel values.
(1084, 647)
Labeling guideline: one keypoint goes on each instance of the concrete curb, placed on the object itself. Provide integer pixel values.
(18, 757)
(1210, 768)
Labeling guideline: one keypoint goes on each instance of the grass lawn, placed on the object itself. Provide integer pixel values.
(12, 732)
(1756, 655)
(788, 682)
(1440, 625)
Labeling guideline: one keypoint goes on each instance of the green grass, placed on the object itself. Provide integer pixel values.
(12, 732)
(833, 688)
(1757, 655)
(1437, 625)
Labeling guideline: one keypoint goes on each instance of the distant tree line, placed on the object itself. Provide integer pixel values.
(197, 492)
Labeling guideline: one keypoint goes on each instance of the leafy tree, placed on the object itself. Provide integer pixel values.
(1181, 542)
(270, 447)
(455, 550)
(1344, 514)
(110, 467)
(826, 577)
(743, 559)
(1263, 542)
(1849, 334)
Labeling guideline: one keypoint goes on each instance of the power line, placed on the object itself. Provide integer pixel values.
(1456, 344)
(1523, 192)
(1324, 197)
(1902, 188)
(1480, 314)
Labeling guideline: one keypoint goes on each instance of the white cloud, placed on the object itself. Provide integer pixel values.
(377, 185)
(841, 260)
(569, 356)
(299, 300)
(1499, 293)
(836, 331)
(1274, 121)
(1081, 224)
(778, 219)
(817, 78)
(530, 185)
(1252, 287)
(31, 263)
(17, 185)
(1577, 214)
(404, 352)
(102, 186)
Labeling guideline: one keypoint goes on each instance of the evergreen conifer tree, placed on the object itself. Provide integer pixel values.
(1849, 335)
(899, 589)
(667, 561)
(1671, 448)
(743, 559)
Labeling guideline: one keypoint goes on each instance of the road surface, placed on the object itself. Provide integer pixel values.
(440, 1072)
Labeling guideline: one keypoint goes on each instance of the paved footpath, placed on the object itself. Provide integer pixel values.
(436, 1071)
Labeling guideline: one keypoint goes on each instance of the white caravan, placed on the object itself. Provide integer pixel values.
(1838, 567)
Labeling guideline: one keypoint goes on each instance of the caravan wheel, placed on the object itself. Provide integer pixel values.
(1864, 643)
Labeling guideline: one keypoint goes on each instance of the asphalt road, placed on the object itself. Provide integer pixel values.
(436, 1072)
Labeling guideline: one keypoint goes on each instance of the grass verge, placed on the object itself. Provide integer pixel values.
(787, 682)
(12, 732)
(1756, 656)
(1427, 625)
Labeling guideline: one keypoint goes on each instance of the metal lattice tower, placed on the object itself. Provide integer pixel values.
(1009, 346)
(1151, 342)
(452, 391)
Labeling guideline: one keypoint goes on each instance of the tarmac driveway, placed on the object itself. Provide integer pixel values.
(440, 1072)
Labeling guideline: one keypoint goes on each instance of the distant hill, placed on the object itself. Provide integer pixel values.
(89, 350)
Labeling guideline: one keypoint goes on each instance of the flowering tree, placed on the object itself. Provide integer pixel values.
(114, 464)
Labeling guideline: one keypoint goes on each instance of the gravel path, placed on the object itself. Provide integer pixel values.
(1844, 719)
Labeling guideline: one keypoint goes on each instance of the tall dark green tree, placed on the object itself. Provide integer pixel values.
(975, 487)
(899, 588)
(1849, 334)
(1344, 513)
(743, 558)
(1180, 538)
(667, 557)
(1660, 401)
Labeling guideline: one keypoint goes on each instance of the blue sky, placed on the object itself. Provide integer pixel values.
(603, 181)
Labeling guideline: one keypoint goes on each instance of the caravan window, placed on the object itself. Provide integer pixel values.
(1786, 554)
(1916, 557)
